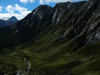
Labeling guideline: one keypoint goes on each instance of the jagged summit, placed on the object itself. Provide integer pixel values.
(11, 21)
(62, 3)
(13, 18)
(43, 6)
(8, 22)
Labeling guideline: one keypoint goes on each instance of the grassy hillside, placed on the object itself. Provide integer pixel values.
(50, 58)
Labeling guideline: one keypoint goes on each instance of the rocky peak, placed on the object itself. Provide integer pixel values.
(13, 18)
(40, 12)
(61, 4)
(64, 8)
(43, 7)
(9, 22)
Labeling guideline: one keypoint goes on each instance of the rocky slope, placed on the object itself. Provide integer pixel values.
(59, 40)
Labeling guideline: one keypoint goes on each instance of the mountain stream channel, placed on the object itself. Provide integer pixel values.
(24, 71)
(28, 68)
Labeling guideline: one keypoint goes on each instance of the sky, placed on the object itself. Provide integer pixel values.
(21, 8)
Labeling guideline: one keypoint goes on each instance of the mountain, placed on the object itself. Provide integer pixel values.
(60, 40)
(2, 23)
(9, 22)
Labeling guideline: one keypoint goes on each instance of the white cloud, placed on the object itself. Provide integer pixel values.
(10, 9)
(31, 1)
(55, 1)
(1, 8)
(41, 2)
(26, 1)
(6, 16)
(19, 8)
(22, 12)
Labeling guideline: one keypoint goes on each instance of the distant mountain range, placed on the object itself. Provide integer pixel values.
(9, 22)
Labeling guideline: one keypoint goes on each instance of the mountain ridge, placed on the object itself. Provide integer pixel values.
(52, 15)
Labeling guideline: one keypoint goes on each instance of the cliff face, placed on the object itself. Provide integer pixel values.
(62, 39)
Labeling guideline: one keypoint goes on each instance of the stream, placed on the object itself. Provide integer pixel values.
(28, 68)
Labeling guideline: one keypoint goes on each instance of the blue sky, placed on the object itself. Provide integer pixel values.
(20, 8)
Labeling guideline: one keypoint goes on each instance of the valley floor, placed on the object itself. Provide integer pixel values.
(57, 60)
